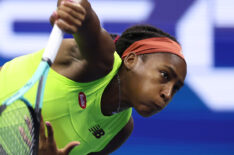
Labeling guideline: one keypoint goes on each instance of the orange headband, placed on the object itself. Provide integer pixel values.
(154, 45)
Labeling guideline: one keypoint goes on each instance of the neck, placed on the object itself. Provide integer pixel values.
(113, 99)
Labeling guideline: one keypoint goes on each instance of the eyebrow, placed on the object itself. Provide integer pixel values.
(175, 75)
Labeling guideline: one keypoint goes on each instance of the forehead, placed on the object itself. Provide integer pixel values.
(167, 60)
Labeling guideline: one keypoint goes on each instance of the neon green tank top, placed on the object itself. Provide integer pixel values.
(73, 108)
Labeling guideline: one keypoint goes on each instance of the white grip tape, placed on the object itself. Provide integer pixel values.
(53, 44)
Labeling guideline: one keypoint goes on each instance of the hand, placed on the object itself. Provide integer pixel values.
(69, 16)
(47, 145)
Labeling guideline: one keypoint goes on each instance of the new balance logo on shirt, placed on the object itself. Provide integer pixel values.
(97, 131)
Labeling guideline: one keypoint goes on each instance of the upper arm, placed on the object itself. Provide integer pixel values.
(97, 48)
(94, 50)
(118, 140)
(90, 55)
(71, 63)
(95, 44)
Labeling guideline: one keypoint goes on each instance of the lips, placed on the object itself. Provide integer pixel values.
(153, 105)
(156, 106)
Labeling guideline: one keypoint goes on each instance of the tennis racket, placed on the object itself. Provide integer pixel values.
(19, 121)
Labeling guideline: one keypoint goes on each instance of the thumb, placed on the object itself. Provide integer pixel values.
(67, 149)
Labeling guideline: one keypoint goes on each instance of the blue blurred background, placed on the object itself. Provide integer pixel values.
(200, 119)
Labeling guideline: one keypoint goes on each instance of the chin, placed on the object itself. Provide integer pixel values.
(146, 113)
(145, 110)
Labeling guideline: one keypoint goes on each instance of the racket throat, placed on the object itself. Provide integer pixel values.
(47, 60)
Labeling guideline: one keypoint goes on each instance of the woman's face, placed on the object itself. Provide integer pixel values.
(154, 81)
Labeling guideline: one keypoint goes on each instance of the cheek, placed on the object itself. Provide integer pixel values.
(146, 88)
(151, 82)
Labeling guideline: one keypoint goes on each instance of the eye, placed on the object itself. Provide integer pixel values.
(165, 75)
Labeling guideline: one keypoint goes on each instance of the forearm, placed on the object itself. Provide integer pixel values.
(96, 47)
(93, 41)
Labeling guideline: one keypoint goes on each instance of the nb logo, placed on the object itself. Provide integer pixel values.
(97, 131)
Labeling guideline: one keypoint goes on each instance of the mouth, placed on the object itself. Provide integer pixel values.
(153, 105)
(156, 106)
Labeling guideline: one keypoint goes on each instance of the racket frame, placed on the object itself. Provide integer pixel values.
(40, 75)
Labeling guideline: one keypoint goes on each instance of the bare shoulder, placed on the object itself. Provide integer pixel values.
(118, 140)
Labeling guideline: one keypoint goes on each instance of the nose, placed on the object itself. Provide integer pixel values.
(166, 93)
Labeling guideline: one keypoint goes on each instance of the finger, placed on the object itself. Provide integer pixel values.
(29, 125)
(66, 27)
(28, 122)
(75, 6)
(42, 136)
(65, 16)
(73, 14)
(50, 132)
(24, 136)
(69, 147)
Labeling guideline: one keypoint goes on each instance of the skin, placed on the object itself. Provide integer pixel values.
(148, 82)
(150, 85)
(80, 20)
(147, 85)
(47, 144)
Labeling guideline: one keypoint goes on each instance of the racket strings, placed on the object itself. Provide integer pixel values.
(16, 130)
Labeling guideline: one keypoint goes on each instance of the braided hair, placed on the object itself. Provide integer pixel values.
(138, 32)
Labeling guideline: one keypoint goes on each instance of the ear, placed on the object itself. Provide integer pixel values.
(130, 60)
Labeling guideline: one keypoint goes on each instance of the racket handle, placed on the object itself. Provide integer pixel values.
(53, 44)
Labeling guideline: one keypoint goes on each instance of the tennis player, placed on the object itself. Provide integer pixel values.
(91, 88)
